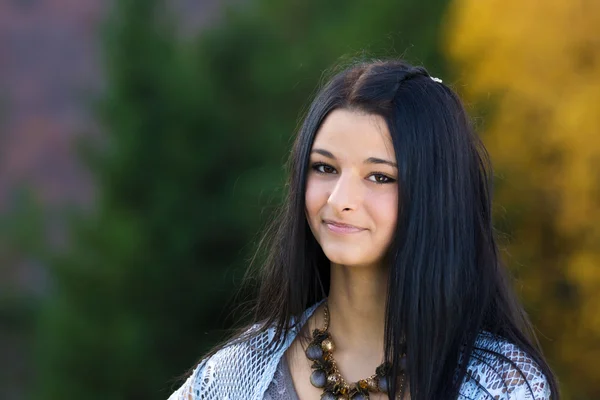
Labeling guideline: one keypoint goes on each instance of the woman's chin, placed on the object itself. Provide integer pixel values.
(347, 260)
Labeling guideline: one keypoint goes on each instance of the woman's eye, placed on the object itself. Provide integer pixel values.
(323, 168)
(376, 177)
(381, 178)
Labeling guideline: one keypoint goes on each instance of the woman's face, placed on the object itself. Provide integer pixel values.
(352, 180)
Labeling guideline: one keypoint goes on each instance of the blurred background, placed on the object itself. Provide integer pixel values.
(141, 145)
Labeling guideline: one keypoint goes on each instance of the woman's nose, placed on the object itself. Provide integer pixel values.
(346, 193)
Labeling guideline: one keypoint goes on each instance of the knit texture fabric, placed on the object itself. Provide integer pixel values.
(243, 371)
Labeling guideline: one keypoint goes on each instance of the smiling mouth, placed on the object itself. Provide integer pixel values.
(342, 228)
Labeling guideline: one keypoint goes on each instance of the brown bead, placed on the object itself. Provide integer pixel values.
(372, 385)
(344, 389)
(327, 345)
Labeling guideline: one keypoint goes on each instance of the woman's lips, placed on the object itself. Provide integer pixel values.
(342, 228)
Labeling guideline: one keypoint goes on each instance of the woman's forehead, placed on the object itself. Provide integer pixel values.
(350, 133)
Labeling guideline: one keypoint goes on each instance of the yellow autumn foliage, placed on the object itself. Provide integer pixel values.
(536, 65)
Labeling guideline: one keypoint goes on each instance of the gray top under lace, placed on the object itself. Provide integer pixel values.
(282, 386)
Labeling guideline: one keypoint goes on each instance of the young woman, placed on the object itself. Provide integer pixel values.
(383, 278)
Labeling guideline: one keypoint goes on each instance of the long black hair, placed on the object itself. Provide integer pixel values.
(447, 283)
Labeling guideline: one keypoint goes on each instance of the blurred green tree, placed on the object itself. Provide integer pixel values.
(196, 134)
(22, 232)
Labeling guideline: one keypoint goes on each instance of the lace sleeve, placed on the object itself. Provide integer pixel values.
(493, 377)
(189, 390)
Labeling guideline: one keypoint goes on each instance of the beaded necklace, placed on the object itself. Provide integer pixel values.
(326, 375)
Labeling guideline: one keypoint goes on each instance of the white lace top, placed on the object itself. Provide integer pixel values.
(242, 371)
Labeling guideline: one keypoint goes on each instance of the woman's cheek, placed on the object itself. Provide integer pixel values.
(312, 200)
(384, 208)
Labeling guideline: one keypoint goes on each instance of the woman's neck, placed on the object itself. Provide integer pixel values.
(357, 297)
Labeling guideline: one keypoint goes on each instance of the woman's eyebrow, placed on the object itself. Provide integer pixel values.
(324, 153)
(375, 160)
(370, 160)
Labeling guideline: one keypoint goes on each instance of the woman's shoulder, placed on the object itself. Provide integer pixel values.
(500, 369)
(244, 367)
(236, 370)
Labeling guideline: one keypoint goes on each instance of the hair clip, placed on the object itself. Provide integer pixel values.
(438, 80)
